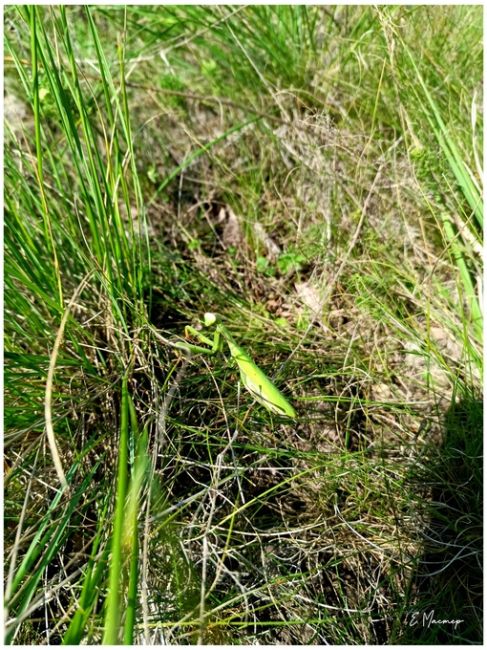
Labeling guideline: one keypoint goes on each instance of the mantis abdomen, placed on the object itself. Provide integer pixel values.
(256, 381)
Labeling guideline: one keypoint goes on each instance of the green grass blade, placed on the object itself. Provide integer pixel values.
(450, 149)
(131, 542)
(469, 289)
(45, 548)
(91, 585)
(113, 607)
(40, 172)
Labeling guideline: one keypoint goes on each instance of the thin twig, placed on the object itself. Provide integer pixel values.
(161, 432)
(50, 380)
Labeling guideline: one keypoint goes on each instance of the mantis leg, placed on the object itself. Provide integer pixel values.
(198, 335)
(215, 344)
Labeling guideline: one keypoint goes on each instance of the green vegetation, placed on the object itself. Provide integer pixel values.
(313, 175)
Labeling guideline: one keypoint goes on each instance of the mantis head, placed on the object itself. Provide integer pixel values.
(210, 319)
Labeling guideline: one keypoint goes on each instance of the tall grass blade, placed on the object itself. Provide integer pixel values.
(44, 546)
(131, 541)
(113, 605)
(92, 583)
(457, 165)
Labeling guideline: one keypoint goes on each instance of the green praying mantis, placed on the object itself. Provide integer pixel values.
(253, 378)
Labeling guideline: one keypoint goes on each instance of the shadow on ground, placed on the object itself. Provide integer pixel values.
(445, 597)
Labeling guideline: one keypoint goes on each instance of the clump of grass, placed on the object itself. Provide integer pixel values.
(301, 171)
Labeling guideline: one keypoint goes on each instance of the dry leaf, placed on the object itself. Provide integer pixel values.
(231, 235)
(310, 297)
(272, 249)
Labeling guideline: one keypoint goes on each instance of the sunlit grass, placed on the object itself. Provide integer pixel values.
(312, 174)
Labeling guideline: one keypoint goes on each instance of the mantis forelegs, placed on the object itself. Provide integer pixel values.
(215, 343)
